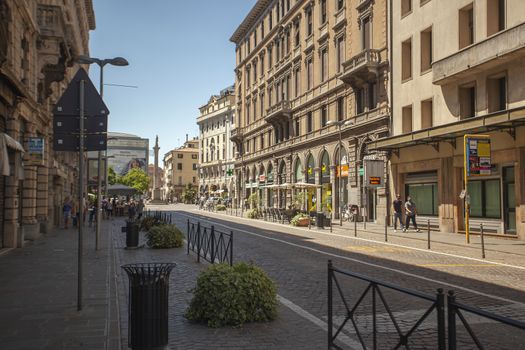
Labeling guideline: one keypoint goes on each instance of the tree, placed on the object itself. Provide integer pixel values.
(136, 178)
(189, 193)
(112, 176)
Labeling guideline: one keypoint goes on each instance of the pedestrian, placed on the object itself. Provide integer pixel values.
(411, 212)
(74, 212)
(140, 209)
(110, 206)
(398, 212)
(92, 212)
(131, 210)
(66, 210)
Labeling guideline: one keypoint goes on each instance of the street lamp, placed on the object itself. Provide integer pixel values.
(340, 124)
(116, 61)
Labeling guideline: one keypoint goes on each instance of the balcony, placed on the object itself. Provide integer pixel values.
(491, 52)
(278, 112)
(361, 68)
(236, 135)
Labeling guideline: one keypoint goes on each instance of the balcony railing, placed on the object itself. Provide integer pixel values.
(362, 67)
(279, 110)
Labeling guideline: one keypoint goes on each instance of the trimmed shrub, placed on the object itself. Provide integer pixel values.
(252, 213)
(300, 220)
(220, 207)
(165, 236)
(232, 296)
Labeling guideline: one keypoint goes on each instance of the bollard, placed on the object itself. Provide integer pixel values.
(330, 225)
(386, 228)
(482, 241)
(428, 234)
(364, 222)
(309, 223)
(355, 225)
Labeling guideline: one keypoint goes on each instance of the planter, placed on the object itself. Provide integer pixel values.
(303, 222)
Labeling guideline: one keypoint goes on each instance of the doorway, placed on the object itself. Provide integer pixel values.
(509, 200)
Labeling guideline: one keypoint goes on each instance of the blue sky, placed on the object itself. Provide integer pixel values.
(179, 53)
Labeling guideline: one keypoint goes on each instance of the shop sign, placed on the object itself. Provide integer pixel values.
(262, 178)
(374, 180)
(478, 161)
(36, 150)
(342, 169)
(373, 172)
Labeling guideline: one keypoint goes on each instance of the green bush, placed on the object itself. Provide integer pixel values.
(147, 223)
(220, 207)
(299, 217)
(165, 236)
(252, 213)
(232, 296)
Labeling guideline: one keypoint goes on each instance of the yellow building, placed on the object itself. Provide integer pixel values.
(308, 72)
(459, 68)
(181, 169)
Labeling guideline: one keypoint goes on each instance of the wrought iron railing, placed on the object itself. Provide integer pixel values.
(160, 217)
(209, 244)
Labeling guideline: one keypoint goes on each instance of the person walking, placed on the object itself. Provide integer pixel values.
(411, 212)
(398, 212)
(140, 209)
(67, 207)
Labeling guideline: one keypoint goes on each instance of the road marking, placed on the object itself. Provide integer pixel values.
(383, 243)
(455, 265)
(495, 297)
(318, 322)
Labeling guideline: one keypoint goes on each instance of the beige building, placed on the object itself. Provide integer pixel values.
(459, 68)
(217, 151)
(302, 67)
(181, 169)
(38, 43)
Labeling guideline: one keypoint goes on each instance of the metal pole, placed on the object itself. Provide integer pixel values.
(428, 234)
(80, 195)
(482, 241)
(355, 225)
(340, 179)
(99, 173)
(451, 309)
(386, 228)
(231, 248)
(467, 200)
(330, 306)
(440, 307)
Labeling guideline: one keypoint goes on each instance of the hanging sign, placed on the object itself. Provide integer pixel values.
(36, 150)
(478, 160)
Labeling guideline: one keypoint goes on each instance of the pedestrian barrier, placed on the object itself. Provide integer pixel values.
(405, 326)
(161, 217)
(210, 244)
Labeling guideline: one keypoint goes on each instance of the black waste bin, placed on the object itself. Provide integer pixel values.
(132, 234)
(148, 304)
(319, 219)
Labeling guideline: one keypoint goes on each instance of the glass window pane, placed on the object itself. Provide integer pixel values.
(422, 194)
(492, 199)
(474, 191)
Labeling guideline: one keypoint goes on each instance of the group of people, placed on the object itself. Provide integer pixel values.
(71, 211)
(410, 213)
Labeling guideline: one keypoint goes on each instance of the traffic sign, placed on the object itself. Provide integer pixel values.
(66, 124)
(69, 102)
(70, 142)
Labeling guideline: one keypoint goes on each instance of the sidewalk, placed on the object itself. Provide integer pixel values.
(38, 289)
(501, 250)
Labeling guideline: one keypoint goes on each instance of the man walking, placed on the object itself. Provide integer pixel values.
(411, 211)
(398, 213)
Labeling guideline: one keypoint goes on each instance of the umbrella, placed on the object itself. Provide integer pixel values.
(121, 190)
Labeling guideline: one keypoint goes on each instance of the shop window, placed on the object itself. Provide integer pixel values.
(485, 198)
(425, 195)
(495, 16)
(466, 26)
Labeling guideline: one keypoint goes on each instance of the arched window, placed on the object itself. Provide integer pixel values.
(269, 176)
(282, 172)
(299, 176)
(310, 176)
(325, 167)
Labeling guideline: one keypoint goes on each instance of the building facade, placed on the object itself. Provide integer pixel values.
(38, 43)
(217, 152)
(308, 74)
(180, 170)
(458, 68)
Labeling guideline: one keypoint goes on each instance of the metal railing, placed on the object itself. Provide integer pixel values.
(210, 244)
(439, 334)
(160, 217)
(375, 288)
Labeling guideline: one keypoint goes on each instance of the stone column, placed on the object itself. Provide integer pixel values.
(42, 196)
(319, 190)
(335, 192)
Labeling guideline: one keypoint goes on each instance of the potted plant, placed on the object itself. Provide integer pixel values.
(300, 219)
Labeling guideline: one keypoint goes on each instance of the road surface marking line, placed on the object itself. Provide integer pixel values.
(495, 297)
(323, 325)
(390, 244)
(454, 265)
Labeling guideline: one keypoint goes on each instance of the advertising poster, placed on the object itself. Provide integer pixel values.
(36, 150)
(122, 160)
(478, 156)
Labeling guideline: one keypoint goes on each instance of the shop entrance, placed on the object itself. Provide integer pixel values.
(509, 200)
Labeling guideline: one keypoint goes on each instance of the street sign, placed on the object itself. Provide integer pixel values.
(65, 124)
(69, 102)
(70, 142)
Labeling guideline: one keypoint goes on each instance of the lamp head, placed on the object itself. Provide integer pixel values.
(83, 59)
(118, 61)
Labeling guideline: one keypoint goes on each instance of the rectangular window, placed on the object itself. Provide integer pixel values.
(466, 26)
(297, 127)
(309, 24)
(179, 166)
(365, 32)
(406, 7)
(324, 116)
(309, 73)
(194, 166)
(324, 64)
(495, 16)
(497, 93)
(255, 38)
(180, 155)
(254, 72)
(180, 180)
(323, 12)
(309, 122)
(425, 196)
(262, 29)
(340, 108)
(297, 34)
(467, 101)
(247, 114)
(427, 119)
(485, 199)
(340, 54)
(194, 156)
(359, 100)
(407, 119)
(262, 141)
(426, 50)
(194, 179)
(269, 138)
(372, 95)
(406, 59)
(270, 20)
(270, 58)
(261, 104)
(297, 82)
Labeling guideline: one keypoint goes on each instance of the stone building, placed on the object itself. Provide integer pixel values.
(38, 44)
(181, 169)
(308, 72)
(458, 68)
(217, 152)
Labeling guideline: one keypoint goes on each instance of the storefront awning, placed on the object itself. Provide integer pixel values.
(7, 141)
(507, 120)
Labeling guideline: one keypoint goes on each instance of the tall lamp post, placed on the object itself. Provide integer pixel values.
(339, 125)
(117, 61)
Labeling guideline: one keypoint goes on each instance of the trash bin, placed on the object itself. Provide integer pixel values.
(132, 234)
(320, 220)
(148, 304)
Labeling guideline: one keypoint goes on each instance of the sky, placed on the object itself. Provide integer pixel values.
(179, 55)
